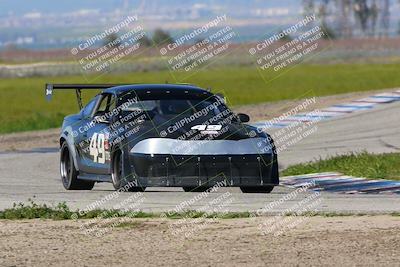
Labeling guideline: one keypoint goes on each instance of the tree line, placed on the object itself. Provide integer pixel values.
(349, 18)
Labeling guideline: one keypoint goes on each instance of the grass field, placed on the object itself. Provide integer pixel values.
(23, 106)
(382, 166)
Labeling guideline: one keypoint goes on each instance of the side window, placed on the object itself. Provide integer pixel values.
(87, 110)
(107, 103)
(113, 103)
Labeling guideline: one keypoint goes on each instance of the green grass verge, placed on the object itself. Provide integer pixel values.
(63, 212)
(374, 166)
(23, 106)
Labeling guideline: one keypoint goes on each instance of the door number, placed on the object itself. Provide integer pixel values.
(97, 149)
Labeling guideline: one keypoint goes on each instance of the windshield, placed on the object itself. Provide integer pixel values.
(179, 107)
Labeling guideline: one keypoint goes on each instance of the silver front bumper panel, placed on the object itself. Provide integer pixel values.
(166, 146)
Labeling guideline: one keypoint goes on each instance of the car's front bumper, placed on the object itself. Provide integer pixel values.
(181, 170)
(171, 162)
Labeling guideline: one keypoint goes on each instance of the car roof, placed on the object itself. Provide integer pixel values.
(173, 88)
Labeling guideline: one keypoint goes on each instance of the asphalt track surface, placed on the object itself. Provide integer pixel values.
(35, 175)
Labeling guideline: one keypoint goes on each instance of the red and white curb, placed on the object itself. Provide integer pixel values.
(338, 183)
(333, 111)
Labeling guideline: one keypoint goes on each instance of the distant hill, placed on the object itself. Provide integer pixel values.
(56, 24)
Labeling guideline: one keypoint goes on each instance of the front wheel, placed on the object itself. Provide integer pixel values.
(195, 188)
(69, 174)
(118, 176)
(257, 189)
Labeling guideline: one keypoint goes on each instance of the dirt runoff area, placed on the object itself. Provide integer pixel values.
(331, 241)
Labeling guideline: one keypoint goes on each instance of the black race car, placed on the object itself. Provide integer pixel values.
(174, 135)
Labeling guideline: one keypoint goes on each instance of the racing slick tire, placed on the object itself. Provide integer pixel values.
(118, 174)
(257, 189)
(195, 188)
(261, 188)
(69, 174)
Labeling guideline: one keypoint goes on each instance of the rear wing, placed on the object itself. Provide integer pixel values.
(77, 87)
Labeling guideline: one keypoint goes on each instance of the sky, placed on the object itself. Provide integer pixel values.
(20, 7)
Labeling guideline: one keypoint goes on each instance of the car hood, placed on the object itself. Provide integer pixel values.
(197, 129)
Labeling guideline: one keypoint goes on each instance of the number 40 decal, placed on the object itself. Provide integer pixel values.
(96, 148)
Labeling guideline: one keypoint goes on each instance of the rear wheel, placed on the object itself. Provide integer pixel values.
(69, 174)
(257, 189)
(118, 175)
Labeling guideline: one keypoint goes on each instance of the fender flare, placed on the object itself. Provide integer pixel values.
(67, 135)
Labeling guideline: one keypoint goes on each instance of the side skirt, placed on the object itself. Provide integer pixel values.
(95, 177)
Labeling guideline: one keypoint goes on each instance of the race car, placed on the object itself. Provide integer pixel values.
(162, 135)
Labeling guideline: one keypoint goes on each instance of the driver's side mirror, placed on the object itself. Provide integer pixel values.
(99, 119)
(243, 117)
